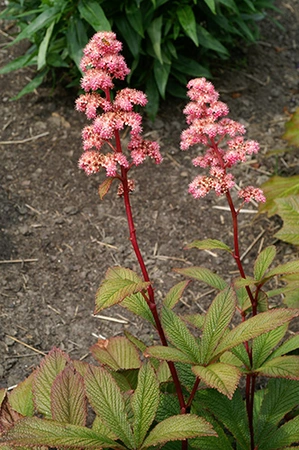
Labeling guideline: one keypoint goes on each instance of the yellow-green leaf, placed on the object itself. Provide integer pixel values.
(117, 353)
(168, 354)
(209, 244)
(278, 187)
(281, 367)
(21, 397)
(288, 210)
(175, 293)
(263, 261)
(205, 275)
(220, 376)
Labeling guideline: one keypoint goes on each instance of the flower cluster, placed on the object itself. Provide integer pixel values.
(208, 126)
(101, 64)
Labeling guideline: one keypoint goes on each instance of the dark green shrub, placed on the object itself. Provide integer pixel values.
(166, 41)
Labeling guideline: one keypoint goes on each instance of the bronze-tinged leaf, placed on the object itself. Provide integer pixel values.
(68, 399)
(50, 367)
(117, 353)
(220, 376)
(278, 187)
(281, 367)
(8, 416)
(21, 397)
(104, 187)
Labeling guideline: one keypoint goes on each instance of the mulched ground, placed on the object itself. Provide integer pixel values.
(57, 238)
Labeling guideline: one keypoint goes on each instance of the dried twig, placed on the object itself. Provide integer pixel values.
(17, 261)
(227, 208)
(110, 319)
(26, 345)
(252, 244)
(22, 141)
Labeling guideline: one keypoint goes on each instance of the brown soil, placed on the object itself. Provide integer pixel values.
(57, 238)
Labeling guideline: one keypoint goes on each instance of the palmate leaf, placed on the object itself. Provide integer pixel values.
(68, 399)
(106, 399)
(288, 210)
(263, 261)
(217, 319)
(281, 367)
(34, 431)
(179, 335)
(263, 345)
(145, 402)
(209, 244)
(178, 428)
(21, 397)
(175, 293)
(231, 413)
(205, 275)
(223, 377)
(280, 398)
(50, 367)
(118, 284)
(117, 353)
(255, 326)
(286, 435)
(278, 187)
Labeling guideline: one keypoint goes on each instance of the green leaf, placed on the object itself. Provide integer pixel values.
(292, 126)
(281, 367)
(41, 21)
(205, 275)
(190, 67)
(289, 267)
(243, 282)
(106, 399)
(168, 354)
(32, 85)
(278, 187)
(263, 261)
(287, 346)
(34, 431)
(134, 16)
(179, 335)
(263, 345)
(68, 400)
(137, 305)
(187, 20)
(280, 398)
(118, 284)
(18, 63)
(209, 244)
(168, 406)
(178, 428)
(207, 40)
(155, 31)
(132, 39)
(43, 48)
(288, 210)
(254, 326)
(220, 376)
(145, 402)
(104, 187)
(21, 397)
(217, 319)
(211, 5)
(161, 72)
(76, 39)
(93, 13)
(117, 353)
(287, 434)
(197, 320)
(152, 94)
(175, 293)
(52, 365)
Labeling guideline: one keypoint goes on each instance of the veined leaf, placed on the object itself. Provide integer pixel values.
(106, 399)
(254, 326)
(263, 345)
(145, 402)
(137, 305)
(68, 400)
(118, 284)
(288, 210)
(179, 335)
(104, 187)
(93, 13)
(50, 367)
(287, 434)
(155, 32)
(220, 376)
(197, 320)
(287, 346)
(280, 398)
(175, 293)
(278, 187)
(205, 275)
(263, 261)
(243, 282)
(281, 367)
(21, 397)
(209, 244)
(292, 134)
(117, 353)
(168, 406)
(34, 431)
(168, 354)
(217, 319)
(187, 20)
(178, 428)
(163, 372)
(289, 267)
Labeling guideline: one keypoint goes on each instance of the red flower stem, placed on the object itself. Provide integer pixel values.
(193, 392)
(151, 296)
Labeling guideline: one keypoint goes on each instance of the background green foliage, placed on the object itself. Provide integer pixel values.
(165, 41)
